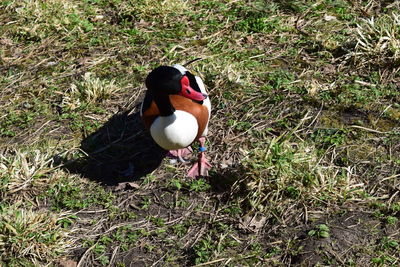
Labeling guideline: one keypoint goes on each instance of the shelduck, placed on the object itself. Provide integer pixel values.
(176, 110)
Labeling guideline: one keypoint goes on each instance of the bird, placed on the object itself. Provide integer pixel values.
(176, 110)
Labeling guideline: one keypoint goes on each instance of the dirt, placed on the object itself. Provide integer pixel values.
(353, 236)
(151, 247)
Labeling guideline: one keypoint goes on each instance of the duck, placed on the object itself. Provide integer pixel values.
(176, 110)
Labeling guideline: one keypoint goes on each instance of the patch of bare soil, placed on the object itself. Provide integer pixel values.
(147, 238)
(352, 238)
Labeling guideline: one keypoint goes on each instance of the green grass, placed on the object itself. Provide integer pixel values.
(304, 133)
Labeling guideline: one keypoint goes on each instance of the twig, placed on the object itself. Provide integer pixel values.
(210, 262)
(191, 61)
(113, 256)
(155, 263)
(316, 117)
(199, 235)
(84, 255)
(367, 129)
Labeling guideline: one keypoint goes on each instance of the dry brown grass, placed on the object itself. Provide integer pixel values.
(24, 172)
(29, 234)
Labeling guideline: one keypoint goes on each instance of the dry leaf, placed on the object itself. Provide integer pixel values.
(254, 222)
(6, 41)
(127, 185)
(67, 263)
(329, 17)
(250, 39)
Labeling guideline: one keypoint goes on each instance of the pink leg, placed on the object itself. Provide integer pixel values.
(179, 154)
(201, 167)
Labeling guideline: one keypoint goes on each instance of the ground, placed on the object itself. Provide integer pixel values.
(304, 135)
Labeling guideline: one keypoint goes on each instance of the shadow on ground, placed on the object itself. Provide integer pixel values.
(120, 151)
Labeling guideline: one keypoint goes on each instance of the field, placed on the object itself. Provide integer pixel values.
(304, 135)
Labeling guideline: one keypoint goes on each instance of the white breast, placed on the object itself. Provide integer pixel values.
(175, 131)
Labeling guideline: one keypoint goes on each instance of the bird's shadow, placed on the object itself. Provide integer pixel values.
(120, 151)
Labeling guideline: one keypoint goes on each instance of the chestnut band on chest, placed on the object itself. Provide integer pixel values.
(180, 103)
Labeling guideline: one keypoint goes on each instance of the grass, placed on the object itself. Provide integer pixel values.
(304, 134)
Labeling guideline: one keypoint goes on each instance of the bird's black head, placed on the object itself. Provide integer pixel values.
(164, 80)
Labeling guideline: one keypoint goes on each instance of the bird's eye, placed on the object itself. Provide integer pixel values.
(188, 91)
